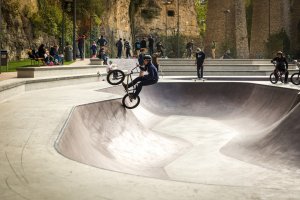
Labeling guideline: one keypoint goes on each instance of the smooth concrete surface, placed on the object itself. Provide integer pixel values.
(209, 129)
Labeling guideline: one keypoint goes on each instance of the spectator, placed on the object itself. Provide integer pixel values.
(49, 60)
(151, 44)
(137, 46)
(155, 60)
(119, 46)
(94, 49)
(55, 55)
(41, 51)
(102, 55)
(227, 54)
(189, 49)
(81, 46)
(143, 43)
(127, 48)
(213, 50)
(102, 42)
(200, 57)
(141, 57)
(160, 48)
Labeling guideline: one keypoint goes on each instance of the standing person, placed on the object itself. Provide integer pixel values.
(200, 57)
(151, 45)
(81, 46)
(127, 48)
(144, 44)
(160, 48)
(94, 49)
(144, 80)
(137, 47)
(141, 57)
(119, 46)
(102, 42)
(189, 49)
(155, 60)
(282, 65)
(213, 50)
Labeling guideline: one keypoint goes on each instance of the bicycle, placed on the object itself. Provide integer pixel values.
(116, 77)
(280, 75)
(295, 78)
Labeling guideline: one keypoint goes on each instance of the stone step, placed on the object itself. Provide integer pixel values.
(53, 71)
(220, 73)
(216, 61)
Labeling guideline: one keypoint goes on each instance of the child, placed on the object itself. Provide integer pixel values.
(94, 49)
(111, 67)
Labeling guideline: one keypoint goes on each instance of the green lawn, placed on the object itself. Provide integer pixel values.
(13, 65)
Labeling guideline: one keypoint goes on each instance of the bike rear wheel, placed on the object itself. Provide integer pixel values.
(273, 78)
(115, 77)
(129, 102)
(295, 78)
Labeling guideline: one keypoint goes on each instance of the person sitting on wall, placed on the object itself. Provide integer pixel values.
(102, 55)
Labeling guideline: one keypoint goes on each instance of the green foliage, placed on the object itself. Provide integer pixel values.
(10, 7)
(276, 42)
(201, 10)
(171, 45)
(48, 19)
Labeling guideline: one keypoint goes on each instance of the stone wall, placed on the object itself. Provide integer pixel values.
(226, 25)
(295, 28)
(132, 19)
(17, 31)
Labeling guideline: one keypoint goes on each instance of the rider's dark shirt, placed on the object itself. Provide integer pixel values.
(152, 72)
(200, 57)
(282, 63)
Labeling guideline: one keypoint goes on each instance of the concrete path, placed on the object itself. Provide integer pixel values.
(31, 168)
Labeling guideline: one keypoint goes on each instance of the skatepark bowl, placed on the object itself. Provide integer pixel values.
(233, 134)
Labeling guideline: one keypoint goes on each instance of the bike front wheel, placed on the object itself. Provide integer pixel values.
(295, 79)
(129, 102)
(273, 78)
(115, 77)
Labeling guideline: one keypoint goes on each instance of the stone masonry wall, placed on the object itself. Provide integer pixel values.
(262, 26)
(226, 25)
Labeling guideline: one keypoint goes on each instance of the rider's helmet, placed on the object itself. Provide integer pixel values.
(279, 53)
(147, 57)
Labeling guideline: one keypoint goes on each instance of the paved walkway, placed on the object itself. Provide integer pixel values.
(7, 75)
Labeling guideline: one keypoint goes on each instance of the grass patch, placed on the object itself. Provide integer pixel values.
(13, 65)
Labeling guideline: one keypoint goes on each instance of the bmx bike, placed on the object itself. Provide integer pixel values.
(277, 75)
(295, 78)
(116, 77)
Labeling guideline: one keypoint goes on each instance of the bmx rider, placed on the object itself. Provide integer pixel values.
(281, 65)
(144, 80)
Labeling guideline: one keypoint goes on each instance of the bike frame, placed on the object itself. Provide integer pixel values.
(129, 80)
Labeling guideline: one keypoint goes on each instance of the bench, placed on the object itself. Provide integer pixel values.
(34, 60)
(96, 61)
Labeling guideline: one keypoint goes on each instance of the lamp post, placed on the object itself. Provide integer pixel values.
(66, 7)
(0, 33)
(178, 28)
(166, 3)
(226, 12)
(74, 30)
(269, 18)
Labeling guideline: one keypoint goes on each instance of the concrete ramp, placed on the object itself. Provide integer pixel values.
(108, 136)
(195, 132)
